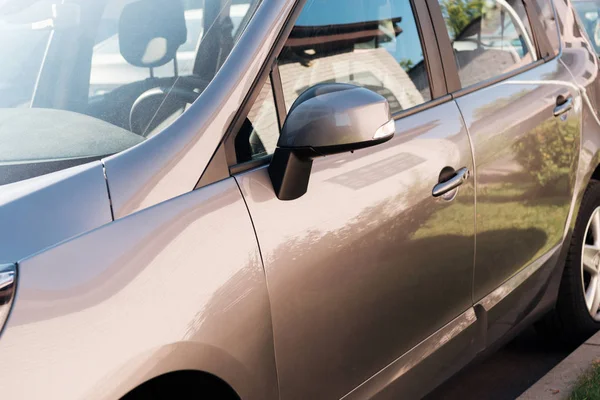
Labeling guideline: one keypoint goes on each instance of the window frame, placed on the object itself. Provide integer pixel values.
(431, 58)
(455, 88)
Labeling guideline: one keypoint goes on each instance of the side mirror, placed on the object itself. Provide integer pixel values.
(326, 119)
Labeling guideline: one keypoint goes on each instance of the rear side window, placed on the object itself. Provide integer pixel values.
(489, 37)
(589, 15)
(374, 44)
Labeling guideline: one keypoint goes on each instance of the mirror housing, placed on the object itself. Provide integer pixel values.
(326, 119)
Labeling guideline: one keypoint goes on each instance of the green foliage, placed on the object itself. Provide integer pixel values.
(406, 64)
(546, 151)
(459, 13)
(588, 387)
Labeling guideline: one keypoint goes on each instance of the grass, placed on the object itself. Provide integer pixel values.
(508, 211)
(588, 387)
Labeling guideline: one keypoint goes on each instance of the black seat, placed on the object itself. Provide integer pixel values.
(161, 105)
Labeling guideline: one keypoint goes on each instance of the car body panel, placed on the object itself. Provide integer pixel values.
(370, 236)
(522, 201)
(74, 201)
(433, 360)
(177, 281)
(155, 292)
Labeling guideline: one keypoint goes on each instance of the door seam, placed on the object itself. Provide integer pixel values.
(110, 203)
(266, 284)
(472, 146)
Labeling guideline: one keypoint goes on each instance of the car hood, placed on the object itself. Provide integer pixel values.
(35, 142)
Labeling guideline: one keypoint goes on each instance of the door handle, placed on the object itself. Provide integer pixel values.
(455, 181)
(563, 105)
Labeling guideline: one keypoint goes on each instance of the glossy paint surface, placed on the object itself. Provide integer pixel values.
(156, 292)
(577, 56)
(367, 263)
(369, 279)
(40, 212)
(524, 158)
(436, 358)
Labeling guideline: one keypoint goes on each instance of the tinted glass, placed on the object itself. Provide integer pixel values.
(22, 50)
(371, 43)
(110, 69)
(589, 15)
(86, 79)
(258, 137)
(489, 37)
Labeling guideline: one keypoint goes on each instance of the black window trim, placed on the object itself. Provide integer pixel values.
(431, 58)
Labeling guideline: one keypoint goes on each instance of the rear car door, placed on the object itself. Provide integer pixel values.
(368, 273)
(522, 110)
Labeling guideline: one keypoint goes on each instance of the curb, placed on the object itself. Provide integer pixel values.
(560, 381)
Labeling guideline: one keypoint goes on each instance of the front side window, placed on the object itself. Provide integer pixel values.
(82, 80)
(374, 44)
(489, 37)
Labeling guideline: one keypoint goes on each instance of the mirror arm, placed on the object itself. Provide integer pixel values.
(290, 173)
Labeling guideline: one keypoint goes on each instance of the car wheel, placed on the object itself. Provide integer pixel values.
(577, 313)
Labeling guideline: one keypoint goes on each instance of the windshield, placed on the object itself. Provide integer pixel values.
(112, 72)
(589, 12)
(21, 50)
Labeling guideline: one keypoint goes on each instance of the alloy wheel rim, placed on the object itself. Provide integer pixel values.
(590, 265)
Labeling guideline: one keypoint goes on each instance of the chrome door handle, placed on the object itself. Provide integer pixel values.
(565, 106)
(458, 179)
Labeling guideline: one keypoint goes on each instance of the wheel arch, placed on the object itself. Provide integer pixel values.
(188, 363)
(184, 381)
(595, 174)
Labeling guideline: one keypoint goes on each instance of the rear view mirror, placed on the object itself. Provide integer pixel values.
(326, 119)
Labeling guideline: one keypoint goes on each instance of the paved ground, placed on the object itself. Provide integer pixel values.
(505, 374)
(562, 379)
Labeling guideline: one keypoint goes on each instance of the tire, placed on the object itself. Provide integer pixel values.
(571, 321)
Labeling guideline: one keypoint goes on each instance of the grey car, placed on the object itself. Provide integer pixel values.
(290, 199)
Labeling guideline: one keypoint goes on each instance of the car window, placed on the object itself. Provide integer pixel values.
(26, 47)
(489, 37)
(110, 69)
(260, 132)
(374, 44)
(589, 15)
(83, 80)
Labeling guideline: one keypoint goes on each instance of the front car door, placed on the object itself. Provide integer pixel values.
(523, 113)
(104, 306)
(368, 273)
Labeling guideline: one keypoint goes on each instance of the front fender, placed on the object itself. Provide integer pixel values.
(181, 356)
(178, 285)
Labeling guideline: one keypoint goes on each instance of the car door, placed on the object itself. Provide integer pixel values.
(368, 273)
(522, 111)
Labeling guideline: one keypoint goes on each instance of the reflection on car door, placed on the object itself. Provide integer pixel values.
(367, 264)
(522, 199)
(525, 130)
